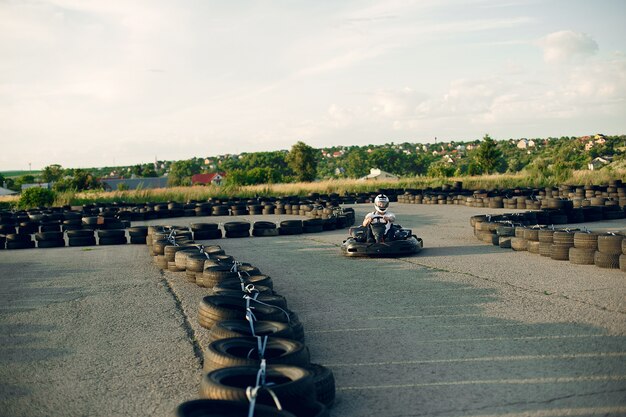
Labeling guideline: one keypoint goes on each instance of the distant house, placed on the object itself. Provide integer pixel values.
(377, 174)
(45, 185)
(525, 144)
(448, 159)
(6, 191)
(214, 178)
(111, 184)
(599, 162)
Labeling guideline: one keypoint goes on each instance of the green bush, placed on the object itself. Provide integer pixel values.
(36, 197)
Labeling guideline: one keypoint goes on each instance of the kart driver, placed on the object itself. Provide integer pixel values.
(380, 214)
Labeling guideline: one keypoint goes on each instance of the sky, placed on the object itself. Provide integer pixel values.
(91, 83)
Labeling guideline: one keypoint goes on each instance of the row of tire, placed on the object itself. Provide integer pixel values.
(520, 202)
(200, 231)
(581, 247)
(612, 193)
(244, 340)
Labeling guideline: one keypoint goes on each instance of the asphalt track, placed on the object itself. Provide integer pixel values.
(462, 329)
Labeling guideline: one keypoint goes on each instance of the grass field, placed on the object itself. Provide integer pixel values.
(15, 174)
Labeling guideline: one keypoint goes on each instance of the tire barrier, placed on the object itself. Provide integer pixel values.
(103, 224)
(565, 197)
(520, 232)
(256, 361)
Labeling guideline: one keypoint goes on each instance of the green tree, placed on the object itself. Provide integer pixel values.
(21, 180)
(148, 171)
(36, 197)
(356, 164)
(81, 179)
(52, 173)
(302, 159)
(488, 156)
(137, 170)
(182, 171)
(441, 169)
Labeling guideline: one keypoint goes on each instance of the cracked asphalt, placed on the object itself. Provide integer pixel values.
(462, 329)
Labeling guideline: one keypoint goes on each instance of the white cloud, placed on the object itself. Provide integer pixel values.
(567, 45)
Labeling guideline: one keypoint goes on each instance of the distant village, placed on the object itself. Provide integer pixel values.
(383, 162)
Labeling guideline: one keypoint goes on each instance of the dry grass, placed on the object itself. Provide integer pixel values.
(202, 193)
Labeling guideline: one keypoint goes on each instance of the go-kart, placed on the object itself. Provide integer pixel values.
(371, 241)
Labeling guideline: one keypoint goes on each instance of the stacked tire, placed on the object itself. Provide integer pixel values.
(584, 249)
(609, 250)
(50, 239)
(112, 237)
(205, 231)
(264, 229)
(237, 229)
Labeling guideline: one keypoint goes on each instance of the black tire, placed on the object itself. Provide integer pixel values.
(271, 299)
(82, 241)
(214, 274)
(241, 328)
(610, 244)
(324, 381)
(243, 351)
(214, 308)
(138, 231)
(581, 256)
(237, 233)
(51, 243)
(584, 240)
(112, 241)
(236, 226)
(232, 285)
(81, 234)
(546, 235)
(560, 252)
(563, 238)
(519, 244)
(291, 223)
(265, 232)
(18, 237)
(207, 234)
(606, 260)
(292, 385)
(284, 230)
(622, 263)
(223, 408)
(58, 236)
(20, 244)
(545, 248)
(264, 225)
(137, 240)
(195, 262)
(313, 229)
(112, 234)
(203, 226)
(533, 246)
(504, 242)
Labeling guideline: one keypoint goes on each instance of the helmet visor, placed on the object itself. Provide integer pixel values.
(381, 205)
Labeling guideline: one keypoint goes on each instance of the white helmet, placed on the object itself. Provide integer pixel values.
(381, 202)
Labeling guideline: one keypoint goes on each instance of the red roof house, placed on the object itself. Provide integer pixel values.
(214, 178)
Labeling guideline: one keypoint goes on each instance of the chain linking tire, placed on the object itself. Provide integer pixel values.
(224, 408)
(292, 385)
(241, 328)
(244, 351)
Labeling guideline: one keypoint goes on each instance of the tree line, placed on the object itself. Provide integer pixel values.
(551, 157)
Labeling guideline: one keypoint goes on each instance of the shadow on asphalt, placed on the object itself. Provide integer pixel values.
(459, 250)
